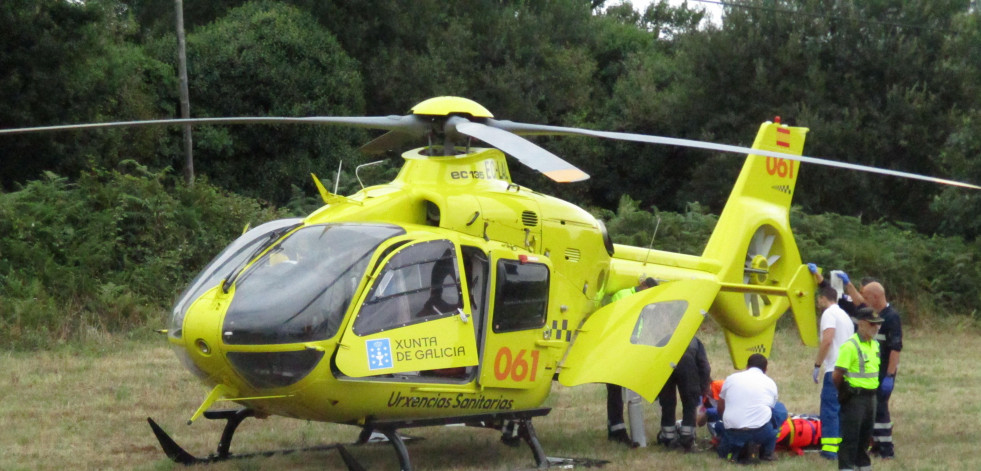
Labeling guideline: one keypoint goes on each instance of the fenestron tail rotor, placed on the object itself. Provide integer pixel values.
(761, 258)
(450, 119)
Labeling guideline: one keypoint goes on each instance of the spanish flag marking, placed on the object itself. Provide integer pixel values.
(784, 142)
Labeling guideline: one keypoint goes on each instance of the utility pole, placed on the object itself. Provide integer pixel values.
(185, 100)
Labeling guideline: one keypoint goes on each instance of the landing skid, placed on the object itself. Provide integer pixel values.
(513, 425)
(179, 455)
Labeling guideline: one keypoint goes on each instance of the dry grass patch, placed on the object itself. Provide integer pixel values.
(86, 409)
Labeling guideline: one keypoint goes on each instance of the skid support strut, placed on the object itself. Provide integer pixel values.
(391, 434)
(403, 453)
(495, 421)
(527, 432)
(233, 418)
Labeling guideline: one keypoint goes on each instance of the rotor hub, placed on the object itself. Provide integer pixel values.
(450, 105)
(759, 269)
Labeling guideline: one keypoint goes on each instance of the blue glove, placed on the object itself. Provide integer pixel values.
(817, 371)
(813, 268)
(844, 277)
(887, 383)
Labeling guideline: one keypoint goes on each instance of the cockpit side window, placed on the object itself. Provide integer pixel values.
(420, 282)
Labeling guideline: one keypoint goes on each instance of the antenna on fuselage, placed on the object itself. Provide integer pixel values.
(337, 181)
(651, 247)
(358, 168)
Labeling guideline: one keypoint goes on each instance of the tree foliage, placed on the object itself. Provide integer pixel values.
(864, 76)
(109, 252)
(956, 211)
(889, 83)
(270, 59)
(69, 62)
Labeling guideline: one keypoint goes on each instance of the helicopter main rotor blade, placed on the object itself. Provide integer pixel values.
(543, 130)
(386, 142)
(503, 134)
(537, 158)
(410, 125)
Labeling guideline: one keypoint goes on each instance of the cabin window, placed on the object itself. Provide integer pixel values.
(522, 296)
(419, 283)
(657, 323)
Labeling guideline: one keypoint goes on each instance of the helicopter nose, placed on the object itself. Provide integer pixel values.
(205, 352)
(201, 339)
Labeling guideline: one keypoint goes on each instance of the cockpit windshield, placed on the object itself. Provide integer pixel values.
(300, 289)
(235, 256)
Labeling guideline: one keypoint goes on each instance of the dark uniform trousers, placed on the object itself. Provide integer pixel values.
(685, 380)
(857, 419)
(890, 339)
(614, 409)
(882, 432)
(690, 377)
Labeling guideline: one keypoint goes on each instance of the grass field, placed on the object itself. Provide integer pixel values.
(85, 408)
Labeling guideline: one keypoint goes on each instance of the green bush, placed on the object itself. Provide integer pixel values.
(926, 276)
(675, 232)
(110, 252)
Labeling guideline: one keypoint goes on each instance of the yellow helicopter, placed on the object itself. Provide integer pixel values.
(453, 295)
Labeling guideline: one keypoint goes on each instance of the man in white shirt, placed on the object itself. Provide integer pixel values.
(836, 328)
(746, 405)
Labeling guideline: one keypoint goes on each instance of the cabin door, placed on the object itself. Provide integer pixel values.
(414, 320)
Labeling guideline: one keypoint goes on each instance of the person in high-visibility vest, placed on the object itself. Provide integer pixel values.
(856, 376)
(616, 429)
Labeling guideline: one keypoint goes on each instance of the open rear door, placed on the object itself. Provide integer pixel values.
(637, 341)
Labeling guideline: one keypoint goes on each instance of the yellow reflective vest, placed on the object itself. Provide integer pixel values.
(623, 294)
(860, 361)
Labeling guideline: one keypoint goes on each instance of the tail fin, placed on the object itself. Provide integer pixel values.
(761, 271)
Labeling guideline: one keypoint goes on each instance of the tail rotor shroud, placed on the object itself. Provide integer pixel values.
(762, 256)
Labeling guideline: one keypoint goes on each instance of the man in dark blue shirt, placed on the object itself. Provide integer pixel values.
(890, 339)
